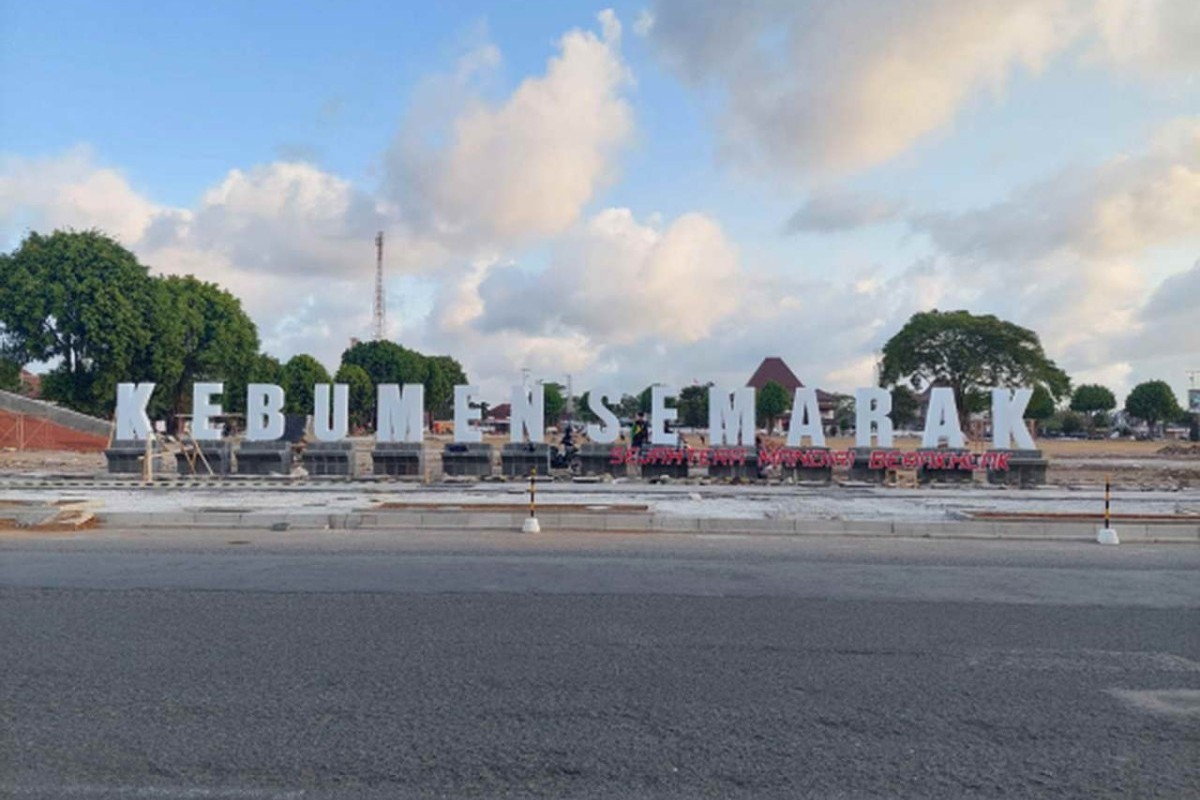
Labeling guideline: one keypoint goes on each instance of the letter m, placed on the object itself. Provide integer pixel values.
(730, 416)
(399, 415)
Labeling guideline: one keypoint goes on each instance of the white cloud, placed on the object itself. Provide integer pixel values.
(617, 280)
(526, 167)
(819, 88)
(70, 191)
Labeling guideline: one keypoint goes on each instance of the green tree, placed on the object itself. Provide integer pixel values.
(770, 403)
(1072, 423)
(201, 334)
(1041, 405)
(261, 368)
(442, 374)
(968, 354)
(643, 400)
(300, 374)
(554, 402)
(83, 302)
(1093, 401)
(388, 362)
(693, 406)
(843, 413)
(904, 407)
(10, 375)
(1152, 402)
(362, 394)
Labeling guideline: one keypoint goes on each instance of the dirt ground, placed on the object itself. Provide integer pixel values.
(1130, 464)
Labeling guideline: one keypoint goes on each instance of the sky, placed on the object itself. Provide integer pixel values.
(639, 192)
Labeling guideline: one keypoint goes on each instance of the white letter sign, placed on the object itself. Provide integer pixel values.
(323, 429)
(264, 412)
(464, 415)
(1008, 412)
(132, 422)
(941, 421)
(204, 409)
(398, 416)
(660, 415)
(806, 418)
(730, 416)
(528, 413)
(872, 406)
(609, 428)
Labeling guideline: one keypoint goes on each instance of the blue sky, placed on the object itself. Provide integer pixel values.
(260, 144)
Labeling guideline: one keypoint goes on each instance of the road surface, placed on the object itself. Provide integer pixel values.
(247, 664)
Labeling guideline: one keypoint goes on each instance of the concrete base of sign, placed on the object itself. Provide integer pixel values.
(519, 459)
(471, 460)
(398, 459)
(1107, 536)
(947, 475)
(806, 474)
(596, 459)
(329, 459)
(1026, 469)
(670, 462)
(218, 455)
(265, 458)
(744, 467)
(124, 457)
(860, 469)
(531, 525)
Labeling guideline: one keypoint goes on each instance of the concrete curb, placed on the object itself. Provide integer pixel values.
(1184, 532)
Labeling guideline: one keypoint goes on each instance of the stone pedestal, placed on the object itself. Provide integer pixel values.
(950, 475)
(519, 459)
(860, 469)
(665, 462)
(467, 459)
(818, 469)
(124, 457)
(334, 459)
(399, 459)
(1026, 469)
(596, 459)
(265, 458)
(733, 463)
(218, 454)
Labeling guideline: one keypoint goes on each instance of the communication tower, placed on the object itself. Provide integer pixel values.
(380, 324)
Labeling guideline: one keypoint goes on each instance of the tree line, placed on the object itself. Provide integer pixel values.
(83, 304)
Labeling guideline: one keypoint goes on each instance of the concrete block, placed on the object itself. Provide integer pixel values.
(331, 459)
(519, 459)
(596, 459)
(264, 458)
(124, 457)
(398, 459)
(743, 467)
(218, 455)
(1026, 469)
(467, 459)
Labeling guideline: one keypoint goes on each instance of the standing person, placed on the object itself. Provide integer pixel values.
(639, 433)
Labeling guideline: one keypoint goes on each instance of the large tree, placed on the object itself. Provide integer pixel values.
(772, 402)
(554, 402)
(904, 407)
(969, 354)
(362, 394)
(201, 334)
(693, 406)
(1094, 401)
(1152, 402)
(300, 374)
(82, 302)
(387, 362)
(442, 374)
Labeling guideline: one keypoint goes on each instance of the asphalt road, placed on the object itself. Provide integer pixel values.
(236, 664)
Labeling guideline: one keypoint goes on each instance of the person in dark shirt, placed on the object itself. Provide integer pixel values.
(640, 432)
